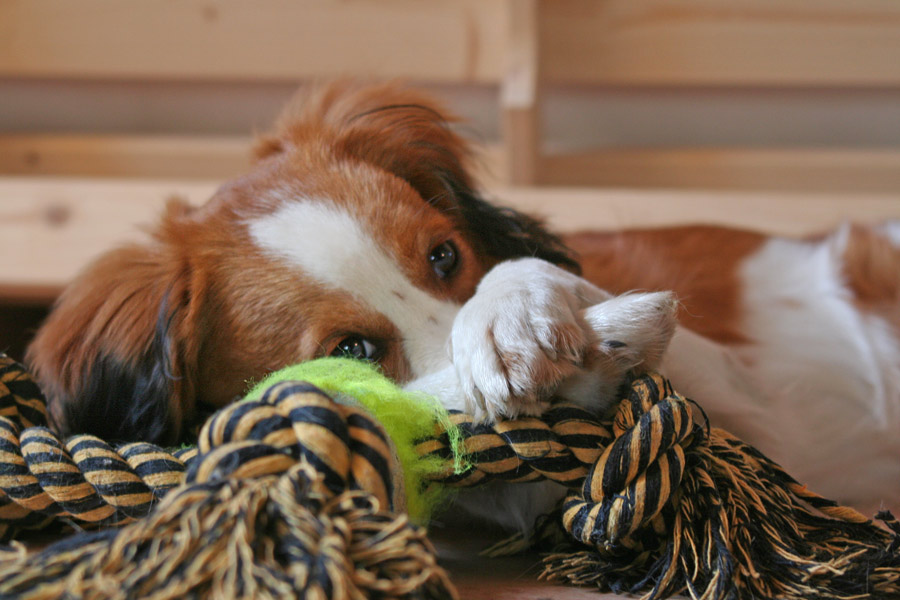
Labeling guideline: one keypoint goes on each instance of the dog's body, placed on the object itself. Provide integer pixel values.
(360, 231)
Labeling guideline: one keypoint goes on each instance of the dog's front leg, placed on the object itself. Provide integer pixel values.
(532, 327)
(444, 385)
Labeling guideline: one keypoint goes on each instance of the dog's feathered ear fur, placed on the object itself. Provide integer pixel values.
(115, 356)
(409, 135)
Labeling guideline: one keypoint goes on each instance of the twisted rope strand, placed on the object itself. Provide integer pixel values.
(83, 478)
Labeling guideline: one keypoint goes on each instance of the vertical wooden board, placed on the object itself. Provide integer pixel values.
(722, 42)
(438, 40)
(520, 94)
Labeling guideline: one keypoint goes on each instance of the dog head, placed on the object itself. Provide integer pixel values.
(358, 231)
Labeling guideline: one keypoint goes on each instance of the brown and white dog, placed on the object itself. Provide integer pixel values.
(360, 231)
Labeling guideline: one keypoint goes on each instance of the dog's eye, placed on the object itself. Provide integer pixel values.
(443, 259)
(354, 346)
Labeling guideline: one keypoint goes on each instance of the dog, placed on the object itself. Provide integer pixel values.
(360, 231)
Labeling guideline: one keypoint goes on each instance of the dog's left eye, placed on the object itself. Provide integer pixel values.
(443, 259)
(355, 346)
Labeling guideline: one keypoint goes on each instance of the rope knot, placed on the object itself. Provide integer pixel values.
(638, 473)
(296, 421)
(284, 497)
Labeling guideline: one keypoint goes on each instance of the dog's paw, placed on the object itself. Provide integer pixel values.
(520, 336)
(631, 333)
(634, 330)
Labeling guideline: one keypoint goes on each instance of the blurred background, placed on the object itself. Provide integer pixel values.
(783, 116)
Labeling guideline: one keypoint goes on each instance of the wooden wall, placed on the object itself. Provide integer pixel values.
(66, 195)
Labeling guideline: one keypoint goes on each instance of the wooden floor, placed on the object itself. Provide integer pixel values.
(505, 578)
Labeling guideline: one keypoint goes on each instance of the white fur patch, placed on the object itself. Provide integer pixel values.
(833, 372)
(892, 230)
(328, 244)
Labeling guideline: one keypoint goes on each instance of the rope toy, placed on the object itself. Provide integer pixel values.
(658, 504)
(287, 496)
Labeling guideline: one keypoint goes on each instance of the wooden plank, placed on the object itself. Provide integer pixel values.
(836, 170)
(166, 156)
(159, 156)
(439, 40)
(782, 213)
(214, 157)
(722, 42)
(211, 157)
(52, 227)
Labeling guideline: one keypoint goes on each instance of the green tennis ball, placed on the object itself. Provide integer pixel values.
(407, 417)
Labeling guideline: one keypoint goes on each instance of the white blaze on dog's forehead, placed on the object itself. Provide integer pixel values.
(329, 244)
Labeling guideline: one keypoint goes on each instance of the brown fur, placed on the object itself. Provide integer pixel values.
(700, 264)
(872, 272)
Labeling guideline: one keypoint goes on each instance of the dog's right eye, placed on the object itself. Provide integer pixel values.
(355, 346)
(443, 259)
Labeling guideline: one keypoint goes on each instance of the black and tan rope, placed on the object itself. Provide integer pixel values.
(83, 478)
(296, 495)
(662, 505)
(288, 496)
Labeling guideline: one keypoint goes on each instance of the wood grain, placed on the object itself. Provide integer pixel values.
(50, 228)
(847, 170)
(722, 43)
(438, 40)
(842, 170)
(520, 95)
(165, 156)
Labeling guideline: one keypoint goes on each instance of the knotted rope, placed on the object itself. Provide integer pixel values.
(658, 504)
(288, 496)
(663, 506)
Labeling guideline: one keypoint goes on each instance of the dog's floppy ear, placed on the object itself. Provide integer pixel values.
(409, 135)
(115, 355)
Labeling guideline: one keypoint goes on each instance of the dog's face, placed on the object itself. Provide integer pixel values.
(358, 232)
(332, 259)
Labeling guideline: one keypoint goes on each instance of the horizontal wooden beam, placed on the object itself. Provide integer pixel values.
(615, 42)
(782, 213)
(802, 43)
(220, 157)
(788, 169)
(438, 40)
(155, 156)
(166, 156)
(50, 228)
